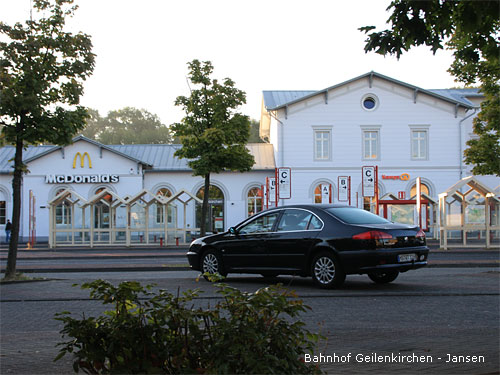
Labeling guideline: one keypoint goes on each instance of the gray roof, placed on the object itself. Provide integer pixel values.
(82, 138)
(274, 100)
(156, 157)
(162, 158)
(7, 155)
(459, 95)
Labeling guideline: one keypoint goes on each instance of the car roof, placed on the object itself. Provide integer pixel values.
(310, 206)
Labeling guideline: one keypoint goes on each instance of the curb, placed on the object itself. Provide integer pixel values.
(187, 268)
(113, 269)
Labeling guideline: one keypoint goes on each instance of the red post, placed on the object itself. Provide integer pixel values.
(176, 241)
(276, 186)
(349, 189)
(161, 241)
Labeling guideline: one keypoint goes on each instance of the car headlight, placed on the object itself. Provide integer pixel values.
(197, 241)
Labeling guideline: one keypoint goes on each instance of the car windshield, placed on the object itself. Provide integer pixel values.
(351, 215)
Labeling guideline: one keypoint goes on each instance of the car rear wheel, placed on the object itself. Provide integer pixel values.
(326, 271)
(211, 263)
(383, 277)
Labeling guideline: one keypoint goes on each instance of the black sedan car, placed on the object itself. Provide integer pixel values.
(326, 242)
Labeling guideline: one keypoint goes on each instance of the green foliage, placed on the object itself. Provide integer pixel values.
(254, 133)
(212, 134)
(472, 30)
(42, 70)
(127, 126)
(150, 332)
(484, 151)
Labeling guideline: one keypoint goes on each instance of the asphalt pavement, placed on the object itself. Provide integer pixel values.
(453, 304)
(431, 312)
(155, 258)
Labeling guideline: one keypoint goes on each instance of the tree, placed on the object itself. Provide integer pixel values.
(213, 135)
(127, 126)
(254, 133)
(41, 80)
(472, 30)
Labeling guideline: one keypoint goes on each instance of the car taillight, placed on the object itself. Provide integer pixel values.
(420, 235)
(372, 235)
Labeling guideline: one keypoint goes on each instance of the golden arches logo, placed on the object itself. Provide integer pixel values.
(82, 159)
(405, 177)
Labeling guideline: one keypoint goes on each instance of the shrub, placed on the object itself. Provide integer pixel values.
(160, 332)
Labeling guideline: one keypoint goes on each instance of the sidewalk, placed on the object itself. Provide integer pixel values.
(156, 258)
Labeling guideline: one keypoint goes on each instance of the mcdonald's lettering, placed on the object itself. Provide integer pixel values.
(82, 159)
(82, 179)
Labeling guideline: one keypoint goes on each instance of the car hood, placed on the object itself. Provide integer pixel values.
(211, 237)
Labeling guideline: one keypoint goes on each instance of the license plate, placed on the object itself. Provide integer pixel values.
(407, 258)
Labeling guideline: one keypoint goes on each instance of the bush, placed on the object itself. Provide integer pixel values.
(149, 332)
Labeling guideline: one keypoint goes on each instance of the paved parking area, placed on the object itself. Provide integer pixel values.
(429, 312)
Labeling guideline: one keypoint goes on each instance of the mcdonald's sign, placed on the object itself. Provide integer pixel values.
(82, 159)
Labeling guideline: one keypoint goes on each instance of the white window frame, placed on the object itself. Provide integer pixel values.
(324, 130)
(253, 200)
(159, 208)
(369, 130)
(420, 155)
(3, 213)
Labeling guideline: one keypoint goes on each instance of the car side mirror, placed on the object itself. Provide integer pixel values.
(233, 230)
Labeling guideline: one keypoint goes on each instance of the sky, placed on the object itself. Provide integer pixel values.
(143, 48)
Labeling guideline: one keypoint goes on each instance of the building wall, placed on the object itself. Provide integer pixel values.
(131, 180)
(234, 185)
(394, 117)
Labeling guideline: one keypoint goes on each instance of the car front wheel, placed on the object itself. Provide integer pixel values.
(383, 277)
(326, 271)
(212, 264)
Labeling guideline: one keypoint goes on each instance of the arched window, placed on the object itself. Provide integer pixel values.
(215, 219)
(63, 210)
(424, 189)
(101, 216)
(323, 193)
(3, 208)
(166, 193)
(255, 201)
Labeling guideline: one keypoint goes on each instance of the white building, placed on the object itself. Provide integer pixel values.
(87, 167)
(371, 120)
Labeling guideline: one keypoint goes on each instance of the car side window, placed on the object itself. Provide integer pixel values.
(294, 220)
(261, 224)
(315, 223)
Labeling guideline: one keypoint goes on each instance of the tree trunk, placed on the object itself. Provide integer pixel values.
(10, 271)
(204, 207)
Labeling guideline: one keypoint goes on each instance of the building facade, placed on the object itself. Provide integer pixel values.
(325, 137)
(87, 167)
(371, 120)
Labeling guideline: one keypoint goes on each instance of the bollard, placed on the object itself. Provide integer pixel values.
(140, 237)
(161, 241)
(176, 241)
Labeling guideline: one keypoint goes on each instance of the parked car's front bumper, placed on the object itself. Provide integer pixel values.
(194, 260)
